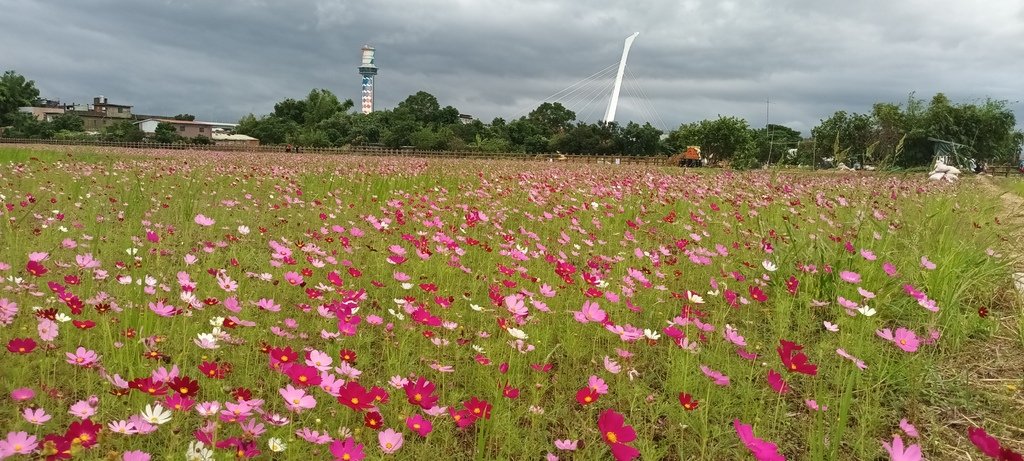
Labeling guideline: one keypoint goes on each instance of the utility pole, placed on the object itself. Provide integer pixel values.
(768, 131)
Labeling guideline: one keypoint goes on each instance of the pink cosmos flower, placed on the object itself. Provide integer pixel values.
(296, 399)
(566, 444)
(47, 329)
(203, 220)
(36, 416)
(813, 405)
(84, 408)
(598, 385)
(716, 376)
(611, 365)
(762, 450)
(860, 363)
(312, 436)
(849, 277)
(83, 357)
(925, 263)
(734, 336)
(908, 428)
(390, 440)
(590, 312)
(830, 326)
(903, 338)
(776, 382)
(889, 269)
(17, 443)
(419, 425)
(135, 456)
(897, 452)
(22, 394)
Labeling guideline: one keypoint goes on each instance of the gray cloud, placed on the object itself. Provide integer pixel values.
(692, 60)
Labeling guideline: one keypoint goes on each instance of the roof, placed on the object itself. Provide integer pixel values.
(186, 122)
(111, 105)
(232, 137)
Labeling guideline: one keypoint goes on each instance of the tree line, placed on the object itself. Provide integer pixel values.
(890, 135)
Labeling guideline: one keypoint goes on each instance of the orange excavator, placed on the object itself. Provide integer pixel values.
(690, 157)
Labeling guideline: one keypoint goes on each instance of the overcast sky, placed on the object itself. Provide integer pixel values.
(693, 59)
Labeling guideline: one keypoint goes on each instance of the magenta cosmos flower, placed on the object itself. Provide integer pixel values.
(762, 449)
(22, 394)
(347, 450)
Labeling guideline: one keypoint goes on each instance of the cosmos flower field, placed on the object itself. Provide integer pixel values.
(174, 305)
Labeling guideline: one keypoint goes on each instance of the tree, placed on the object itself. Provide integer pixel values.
(185, 117)
(67, 122)
(772, 143)
(420, 107)
(166, 133)
(640, 140)
(719, 139)
(845, 137)
(25, 126)
(123, 131)
(552, 117)
(15, 92)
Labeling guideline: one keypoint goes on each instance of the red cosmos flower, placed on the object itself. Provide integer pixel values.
(982, 312)
(354, 396)
(348, 356)
(241, 394)
(83, 432)
(373, 420)
(587, 396)
(541, 367)
(794, 360)
(478, 408)
(184, 386)
(55, 447)
(283, 355)
(148, 386)
(617, 434)
(83, 324)
(688, 402)
(21, 345)
(421, 393)
(792, 284)
(303, 375)
(379, 395)
(36, 268)
(215, 370)
(757, 294)
(462, 418)
(71, 279)
(510, 392)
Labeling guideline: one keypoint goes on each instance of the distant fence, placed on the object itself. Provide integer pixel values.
(361, 150)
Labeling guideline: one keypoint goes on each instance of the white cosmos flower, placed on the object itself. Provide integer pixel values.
(198, 452)
(651, 334)
(62, 317)
(769, 266)
(156, 414)
(206, 341)
(478, 349)
(517, 333)
(407, 285)
(602, 284)
(866, 310)
(276, 445)
(694, 297)
(132, 251)
(217, 321)
(244, 230)
(476, 307)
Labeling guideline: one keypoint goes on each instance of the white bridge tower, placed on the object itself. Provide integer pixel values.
(609, 115)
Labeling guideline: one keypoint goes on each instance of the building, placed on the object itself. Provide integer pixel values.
(186, 128)
(46, 114)
(101, 113)
(227, 139)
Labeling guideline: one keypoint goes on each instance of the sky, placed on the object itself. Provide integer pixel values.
(790, 62)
